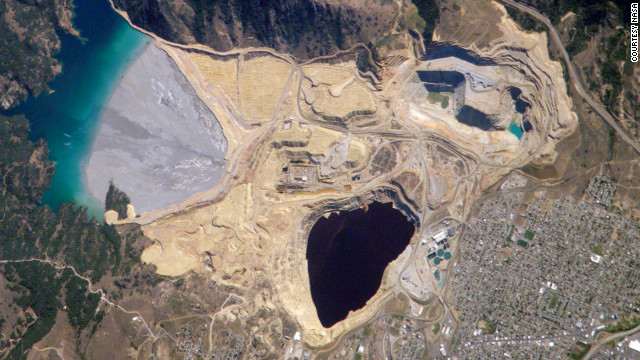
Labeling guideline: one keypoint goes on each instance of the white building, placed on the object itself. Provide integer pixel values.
(635, 345)
(440, 236)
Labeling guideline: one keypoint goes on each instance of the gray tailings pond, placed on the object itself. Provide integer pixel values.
(156, 140)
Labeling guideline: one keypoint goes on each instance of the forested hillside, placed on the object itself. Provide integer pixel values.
(39, 248)
(305, 28)
(28, 43)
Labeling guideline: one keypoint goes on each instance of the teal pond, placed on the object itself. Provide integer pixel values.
(515, 130)
(67, 118)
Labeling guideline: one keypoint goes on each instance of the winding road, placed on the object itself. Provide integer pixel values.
(573, 74)
(103, 298)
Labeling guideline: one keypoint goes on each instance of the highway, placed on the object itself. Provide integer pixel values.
(573, 74)
(596, 346)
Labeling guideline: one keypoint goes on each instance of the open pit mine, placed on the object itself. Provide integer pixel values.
(319, 151)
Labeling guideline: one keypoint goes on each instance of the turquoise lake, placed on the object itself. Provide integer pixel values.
(515, 130)
(68, 117)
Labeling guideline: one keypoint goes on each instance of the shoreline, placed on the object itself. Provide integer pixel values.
(85, 161)
(156, 139)
(93, 61)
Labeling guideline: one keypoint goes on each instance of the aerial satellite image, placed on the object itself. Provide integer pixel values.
(319, 179)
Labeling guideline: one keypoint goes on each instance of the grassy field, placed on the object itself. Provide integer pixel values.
(529, 235)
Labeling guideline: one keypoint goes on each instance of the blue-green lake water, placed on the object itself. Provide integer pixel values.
(515, 130)
(68, 117)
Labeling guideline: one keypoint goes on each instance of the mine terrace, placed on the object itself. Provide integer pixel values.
(319, 139)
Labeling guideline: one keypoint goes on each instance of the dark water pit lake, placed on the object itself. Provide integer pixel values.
(347, 254)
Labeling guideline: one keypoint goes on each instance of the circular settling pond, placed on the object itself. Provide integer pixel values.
(347, 254)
